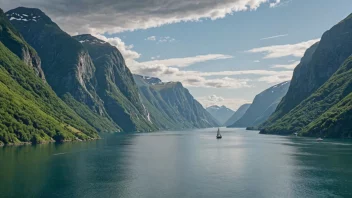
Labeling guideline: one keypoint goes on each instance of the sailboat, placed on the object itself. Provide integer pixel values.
(218, 135)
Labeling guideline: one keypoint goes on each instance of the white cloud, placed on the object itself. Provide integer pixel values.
(155, 57)
(272, 37)
(257, 61)
(215, 98)
(275, 79)
(168, 69)
(186, 61)
(112, 16)
(232, 103)
(287, 66)
(151, 38)
(274, 4)
(162, 39)
(126, 50)
(244, 72)
(166, 39)
(277, 51)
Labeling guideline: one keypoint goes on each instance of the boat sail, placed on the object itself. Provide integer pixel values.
(218, 135)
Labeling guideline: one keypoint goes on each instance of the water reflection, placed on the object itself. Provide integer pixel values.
(179, 164)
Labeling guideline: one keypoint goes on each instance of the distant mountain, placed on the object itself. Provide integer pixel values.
(318, 102)
(171, 106)
(30, 111)
(67, 65)
(115, 85)
(264, 104)
(221, 114)
(237, 115)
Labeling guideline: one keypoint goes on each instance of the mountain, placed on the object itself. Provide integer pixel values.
(323, 106)
(221, 114)
(237, 115)
(116, 86)
(30, 111)
(67, 65)
(171, 106)
(264, 104)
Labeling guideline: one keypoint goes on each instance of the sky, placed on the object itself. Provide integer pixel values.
(224, 51)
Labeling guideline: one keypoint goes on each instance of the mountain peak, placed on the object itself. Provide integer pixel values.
(88, 38)
(147, 80)
(220, 113)
(24, 14)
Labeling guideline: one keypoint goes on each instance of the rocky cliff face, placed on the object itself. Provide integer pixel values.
(66, 63)
(115, 85)
(30, 111)
(317, 66)
(15, 42)
(171, 106)
(262, 104)
(326, 88)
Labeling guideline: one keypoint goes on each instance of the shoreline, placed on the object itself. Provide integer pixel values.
(46, 142)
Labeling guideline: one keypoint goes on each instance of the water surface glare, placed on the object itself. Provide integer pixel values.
(180, 164)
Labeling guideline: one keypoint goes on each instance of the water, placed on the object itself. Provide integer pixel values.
(180, 164)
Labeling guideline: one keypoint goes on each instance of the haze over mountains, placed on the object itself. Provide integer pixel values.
(238, 114)
(264, 104)
(220, 113)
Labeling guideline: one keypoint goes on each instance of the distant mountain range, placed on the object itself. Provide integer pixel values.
(55, 87)
(220, 113)
(264, 104)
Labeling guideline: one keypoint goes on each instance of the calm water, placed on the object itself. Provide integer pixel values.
(180, 164)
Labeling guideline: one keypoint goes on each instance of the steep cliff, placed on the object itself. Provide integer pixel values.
(324, 101)
(115, 86)
(30, 111)
(171, 106)
(67, 65)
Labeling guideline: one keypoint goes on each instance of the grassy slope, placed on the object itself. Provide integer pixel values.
(323, 112)
(30, 110)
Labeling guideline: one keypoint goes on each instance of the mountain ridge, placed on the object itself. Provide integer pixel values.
(168, 111)
(220, 113)
(308, 116)
(263, 105)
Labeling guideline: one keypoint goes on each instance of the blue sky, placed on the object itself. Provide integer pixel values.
(225, 51)
(295, 21)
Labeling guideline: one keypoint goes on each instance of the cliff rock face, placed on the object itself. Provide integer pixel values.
(171, 106)
(30, 111)
(316, 67)
(262, 106)
(116, 86)
(67, 65)
(315, 88)
(14, 41)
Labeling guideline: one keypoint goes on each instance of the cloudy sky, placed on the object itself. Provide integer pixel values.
(224, 51)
